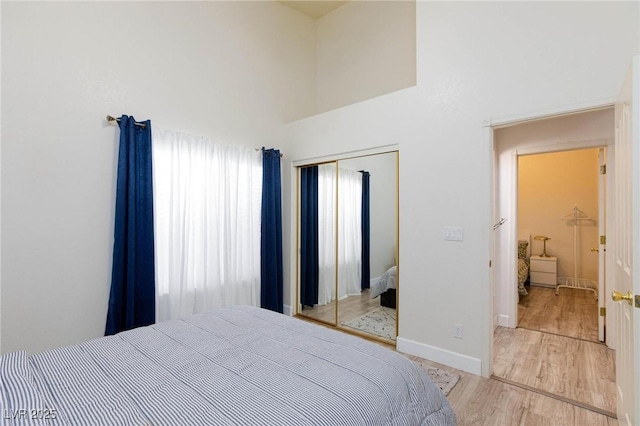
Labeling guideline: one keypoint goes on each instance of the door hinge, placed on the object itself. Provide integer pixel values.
(637, 298)
(603, 169)
(603, 312)
(603, 239)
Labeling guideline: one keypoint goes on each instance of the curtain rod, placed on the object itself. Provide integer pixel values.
(112, 120)
(259, 149)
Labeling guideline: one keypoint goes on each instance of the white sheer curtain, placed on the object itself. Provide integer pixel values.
(326, 233)
(349, 233)
(207, 205)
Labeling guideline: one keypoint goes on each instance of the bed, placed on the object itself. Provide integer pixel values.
(239, 365)
(385, 287)
(523, 266)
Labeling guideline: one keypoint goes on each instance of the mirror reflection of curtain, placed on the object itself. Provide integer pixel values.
(366, 231)
(309, 236)
(318, 234)
(326, 233)
(350, 233)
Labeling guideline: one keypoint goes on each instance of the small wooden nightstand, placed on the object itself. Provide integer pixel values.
(544, 271)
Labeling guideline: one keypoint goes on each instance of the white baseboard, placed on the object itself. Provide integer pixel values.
(286, 309)
(503, 320)
(439, 355)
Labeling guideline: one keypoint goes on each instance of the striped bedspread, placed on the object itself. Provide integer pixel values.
(241, 366)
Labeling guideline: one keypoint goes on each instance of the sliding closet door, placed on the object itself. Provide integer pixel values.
(348, 244)
(367, 245)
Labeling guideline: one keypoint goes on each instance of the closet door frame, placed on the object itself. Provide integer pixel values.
(295, 193)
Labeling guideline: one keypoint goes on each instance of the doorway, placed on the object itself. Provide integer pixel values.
(558, 211)
(539, 357)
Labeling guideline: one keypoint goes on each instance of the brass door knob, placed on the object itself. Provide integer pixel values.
(617, 296)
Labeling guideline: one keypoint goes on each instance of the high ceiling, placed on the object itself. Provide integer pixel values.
(314, 9)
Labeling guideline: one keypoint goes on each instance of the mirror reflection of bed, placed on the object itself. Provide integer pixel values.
(348, 235)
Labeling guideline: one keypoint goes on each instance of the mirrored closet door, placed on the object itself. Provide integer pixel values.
(347, 235)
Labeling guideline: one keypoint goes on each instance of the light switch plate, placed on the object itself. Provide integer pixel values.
(453, 233)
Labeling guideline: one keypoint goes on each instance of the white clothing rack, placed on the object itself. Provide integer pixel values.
(574, 282)
(576, 214)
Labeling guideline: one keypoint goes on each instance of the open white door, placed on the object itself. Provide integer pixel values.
(627, 247)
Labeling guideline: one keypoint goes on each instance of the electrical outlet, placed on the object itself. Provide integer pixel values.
(457, 331)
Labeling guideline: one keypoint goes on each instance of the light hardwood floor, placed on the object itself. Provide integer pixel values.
(354, 306)
(570, 368)
(572, 313)
(480, 401)
(348, 308)
(556, 351)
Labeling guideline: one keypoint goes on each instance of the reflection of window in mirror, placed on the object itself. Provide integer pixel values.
(373, 311)
(317, 241)
(348, 231)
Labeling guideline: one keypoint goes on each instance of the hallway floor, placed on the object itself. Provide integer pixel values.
(568, 368)
(555, 350)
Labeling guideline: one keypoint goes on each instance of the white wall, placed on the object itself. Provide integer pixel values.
(365, 49)
(476, 60)
(233, 71)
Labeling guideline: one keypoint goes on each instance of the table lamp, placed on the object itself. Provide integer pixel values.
(544, 244)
